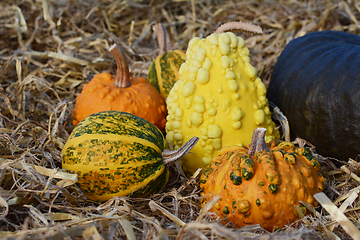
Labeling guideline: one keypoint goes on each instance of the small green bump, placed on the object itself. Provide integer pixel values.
(273, 188)
(235, 177)
(261, 183)
(226, 210)
(290, 158)
(315, 163)
(258, 202)
(234, 205)
(246, 174)
(247, 168)
(307, 153)
(249, 162)
(217, 163)
(207, 171)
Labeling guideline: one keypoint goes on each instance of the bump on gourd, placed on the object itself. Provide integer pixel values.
(269, 195)
(217, 97)
(122, 93)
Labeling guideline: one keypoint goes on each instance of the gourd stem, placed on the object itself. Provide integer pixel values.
(172, 156)
(258, 141)
(122, 78)
(246, 27)
(163, 38)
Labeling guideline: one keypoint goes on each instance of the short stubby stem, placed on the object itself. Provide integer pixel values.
(258, 141)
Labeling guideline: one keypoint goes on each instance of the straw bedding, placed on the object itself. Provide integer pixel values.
(49, 49)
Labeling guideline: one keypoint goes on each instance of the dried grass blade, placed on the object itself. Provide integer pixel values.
(60, 56)
(18, 200)
(46, 13)
(55, 173)
(58, 216)
(350, 13)
(91, 233)
(353, 196)
(37, 215)
(299, 212)
(146, 219)
(154, 206)
(206, 208)
(337, 215)
(4, 205)
(13, 112)
(128, 229)
(311, 209)
(217, 229)
(353, 175)
(21, 19)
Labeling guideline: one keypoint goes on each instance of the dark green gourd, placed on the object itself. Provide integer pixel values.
(316, 84)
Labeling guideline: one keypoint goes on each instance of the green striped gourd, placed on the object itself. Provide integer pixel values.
(163, 71)
(119, 154)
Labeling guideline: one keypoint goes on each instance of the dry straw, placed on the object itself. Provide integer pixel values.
(49, 49)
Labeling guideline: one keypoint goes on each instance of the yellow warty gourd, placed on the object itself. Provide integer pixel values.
(218, 98)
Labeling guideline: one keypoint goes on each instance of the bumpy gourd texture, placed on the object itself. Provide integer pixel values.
(116, 154)
(218, 98)
(140, 99)
(263, 188)
(164, 71)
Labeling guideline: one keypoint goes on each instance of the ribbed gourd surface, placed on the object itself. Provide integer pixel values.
(116, 154)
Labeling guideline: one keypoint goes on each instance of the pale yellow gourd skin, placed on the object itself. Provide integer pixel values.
(218, 98)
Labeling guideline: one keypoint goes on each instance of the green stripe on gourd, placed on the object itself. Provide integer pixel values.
(122, 124)
(163, 71)
(152, 76)
(119, 154)
(127, 180)
(110, 151)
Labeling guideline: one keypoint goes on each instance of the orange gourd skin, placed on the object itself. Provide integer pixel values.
(140, 99)
(277, 180)
(121, 93)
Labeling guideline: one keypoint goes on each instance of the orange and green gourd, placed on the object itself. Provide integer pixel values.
(121, 93)
(262, 183)
(218, 98)
(119, 154)
(164, 70)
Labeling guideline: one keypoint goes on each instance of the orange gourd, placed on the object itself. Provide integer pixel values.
(121, 93)
(262, 183)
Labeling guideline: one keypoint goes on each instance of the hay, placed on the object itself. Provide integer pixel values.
(50, 49)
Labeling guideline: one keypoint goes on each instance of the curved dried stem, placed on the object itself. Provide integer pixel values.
(246, 27)
(284, 123)
(258, 141)
(173, 156)
(163, 38)
(122, 78)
